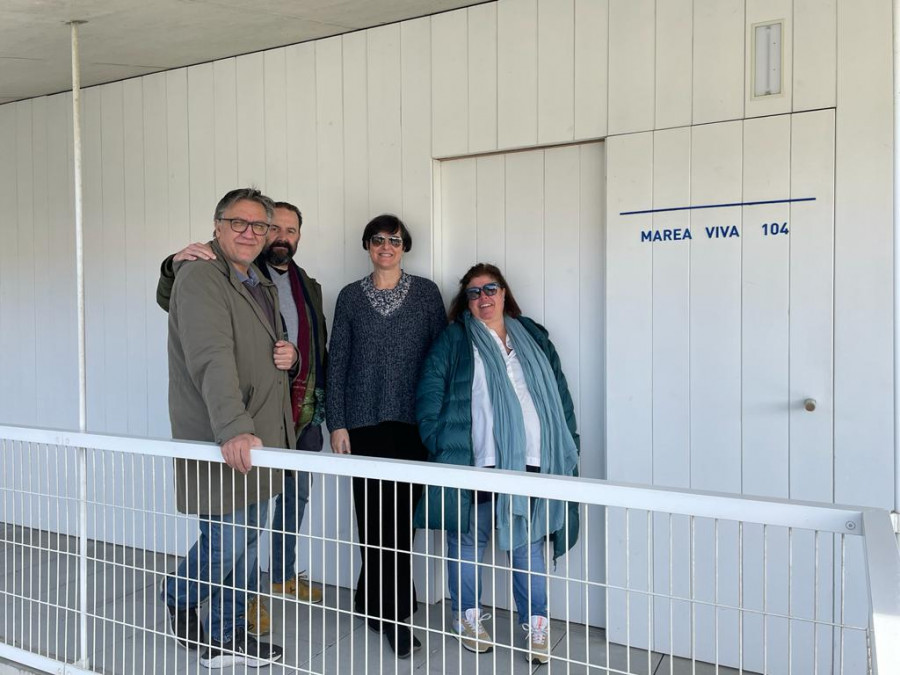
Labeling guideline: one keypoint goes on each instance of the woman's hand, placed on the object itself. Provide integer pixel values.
(340, 442)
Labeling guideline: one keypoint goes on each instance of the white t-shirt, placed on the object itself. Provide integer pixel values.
(483, 414)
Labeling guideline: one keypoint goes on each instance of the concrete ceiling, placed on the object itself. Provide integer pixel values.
(127, 38)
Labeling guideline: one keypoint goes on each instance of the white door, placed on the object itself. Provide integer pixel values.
(720, 335)
(538, 215)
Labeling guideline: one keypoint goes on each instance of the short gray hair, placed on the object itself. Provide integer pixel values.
(242, 194)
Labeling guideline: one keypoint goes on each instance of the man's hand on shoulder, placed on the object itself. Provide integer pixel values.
(196, 251)
(236, 452)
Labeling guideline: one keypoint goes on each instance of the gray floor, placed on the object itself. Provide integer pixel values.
(127, 625)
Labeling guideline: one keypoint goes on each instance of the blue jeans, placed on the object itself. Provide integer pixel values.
(467, 548)
(290, 506)
(221, 566)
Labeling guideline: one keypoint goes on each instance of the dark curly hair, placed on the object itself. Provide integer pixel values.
(461, 303)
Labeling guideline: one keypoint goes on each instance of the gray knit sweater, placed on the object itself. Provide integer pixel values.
(374, 360)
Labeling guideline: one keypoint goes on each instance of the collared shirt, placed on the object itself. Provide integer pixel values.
(483, 413)
(251, 281)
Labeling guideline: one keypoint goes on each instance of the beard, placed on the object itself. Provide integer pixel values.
(279, 252)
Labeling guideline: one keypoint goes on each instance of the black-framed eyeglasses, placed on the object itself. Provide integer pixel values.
(474, 292)
(260, 227)
(378, 239)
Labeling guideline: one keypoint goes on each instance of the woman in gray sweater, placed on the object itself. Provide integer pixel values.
(383, 327)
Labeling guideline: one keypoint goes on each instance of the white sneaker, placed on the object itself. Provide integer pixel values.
(538, 636)
(472, 635)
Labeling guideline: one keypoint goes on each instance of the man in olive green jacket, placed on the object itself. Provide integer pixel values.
(228, 383)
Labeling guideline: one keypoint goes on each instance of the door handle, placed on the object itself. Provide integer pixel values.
(809, 404)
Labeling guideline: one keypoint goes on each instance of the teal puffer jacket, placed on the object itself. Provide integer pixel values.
(444, 413)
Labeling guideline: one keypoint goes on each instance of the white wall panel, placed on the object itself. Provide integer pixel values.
(592, 263)
(25, 332)
(42, 284)
(330, 143)
(178, 157)
(94, 276)
(674, 63)
(458, 206)
(139, 268)
(114, 270)
(631, 65)
(275, 121)
(491, 209)
(356, 150)
(591, 67)
(302, 187)
(226, 125)
(716, 309)
(201, 114)
(718, 63)
(250, 117)
(156, 215)
(812, 306)
(629, 311)
(525, 230)
(482, 77)
(863, 423)
(671, 278)
(415, 139)
(383, 85)
(517, 80)
(765, 294)
(62, 360)
(556, 71)
(449, 66)
(562, 224)
(815, 54)
(767, 11)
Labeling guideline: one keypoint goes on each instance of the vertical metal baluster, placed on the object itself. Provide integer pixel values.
(816, 605)
(790, 635)
(765, 598)
(693, 595)
(740, 597)
(671, 598)
(716, 589)
(843, 595)
(650, 596)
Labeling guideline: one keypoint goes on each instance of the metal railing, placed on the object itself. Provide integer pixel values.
(659, 581)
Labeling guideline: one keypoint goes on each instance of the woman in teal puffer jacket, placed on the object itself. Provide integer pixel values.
(492, 394)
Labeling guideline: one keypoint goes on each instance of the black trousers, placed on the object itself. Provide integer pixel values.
(384, 515)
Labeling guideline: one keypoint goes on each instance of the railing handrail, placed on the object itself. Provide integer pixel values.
(883, 578)
(704, 504)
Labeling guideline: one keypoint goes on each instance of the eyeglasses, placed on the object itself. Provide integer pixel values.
(379, 239)
(474, 292)
(239, 225)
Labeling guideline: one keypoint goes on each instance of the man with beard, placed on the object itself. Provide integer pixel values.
(300, 302)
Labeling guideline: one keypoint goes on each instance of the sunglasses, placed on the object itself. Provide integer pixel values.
(474, 292)
(379, 239)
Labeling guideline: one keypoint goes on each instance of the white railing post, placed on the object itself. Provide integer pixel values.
(883, 577)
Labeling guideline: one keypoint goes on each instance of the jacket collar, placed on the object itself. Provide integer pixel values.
(225, 267)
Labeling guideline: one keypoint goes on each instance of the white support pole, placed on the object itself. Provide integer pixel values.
(83, 654)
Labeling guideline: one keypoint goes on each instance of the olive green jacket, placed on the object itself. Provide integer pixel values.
(223, 382)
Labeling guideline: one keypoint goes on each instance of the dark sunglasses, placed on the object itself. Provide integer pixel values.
(474, 292)
(378, 239)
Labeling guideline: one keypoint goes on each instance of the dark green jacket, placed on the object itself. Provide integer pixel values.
(444, 413)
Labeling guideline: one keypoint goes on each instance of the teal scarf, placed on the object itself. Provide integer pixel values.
(558, 453)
